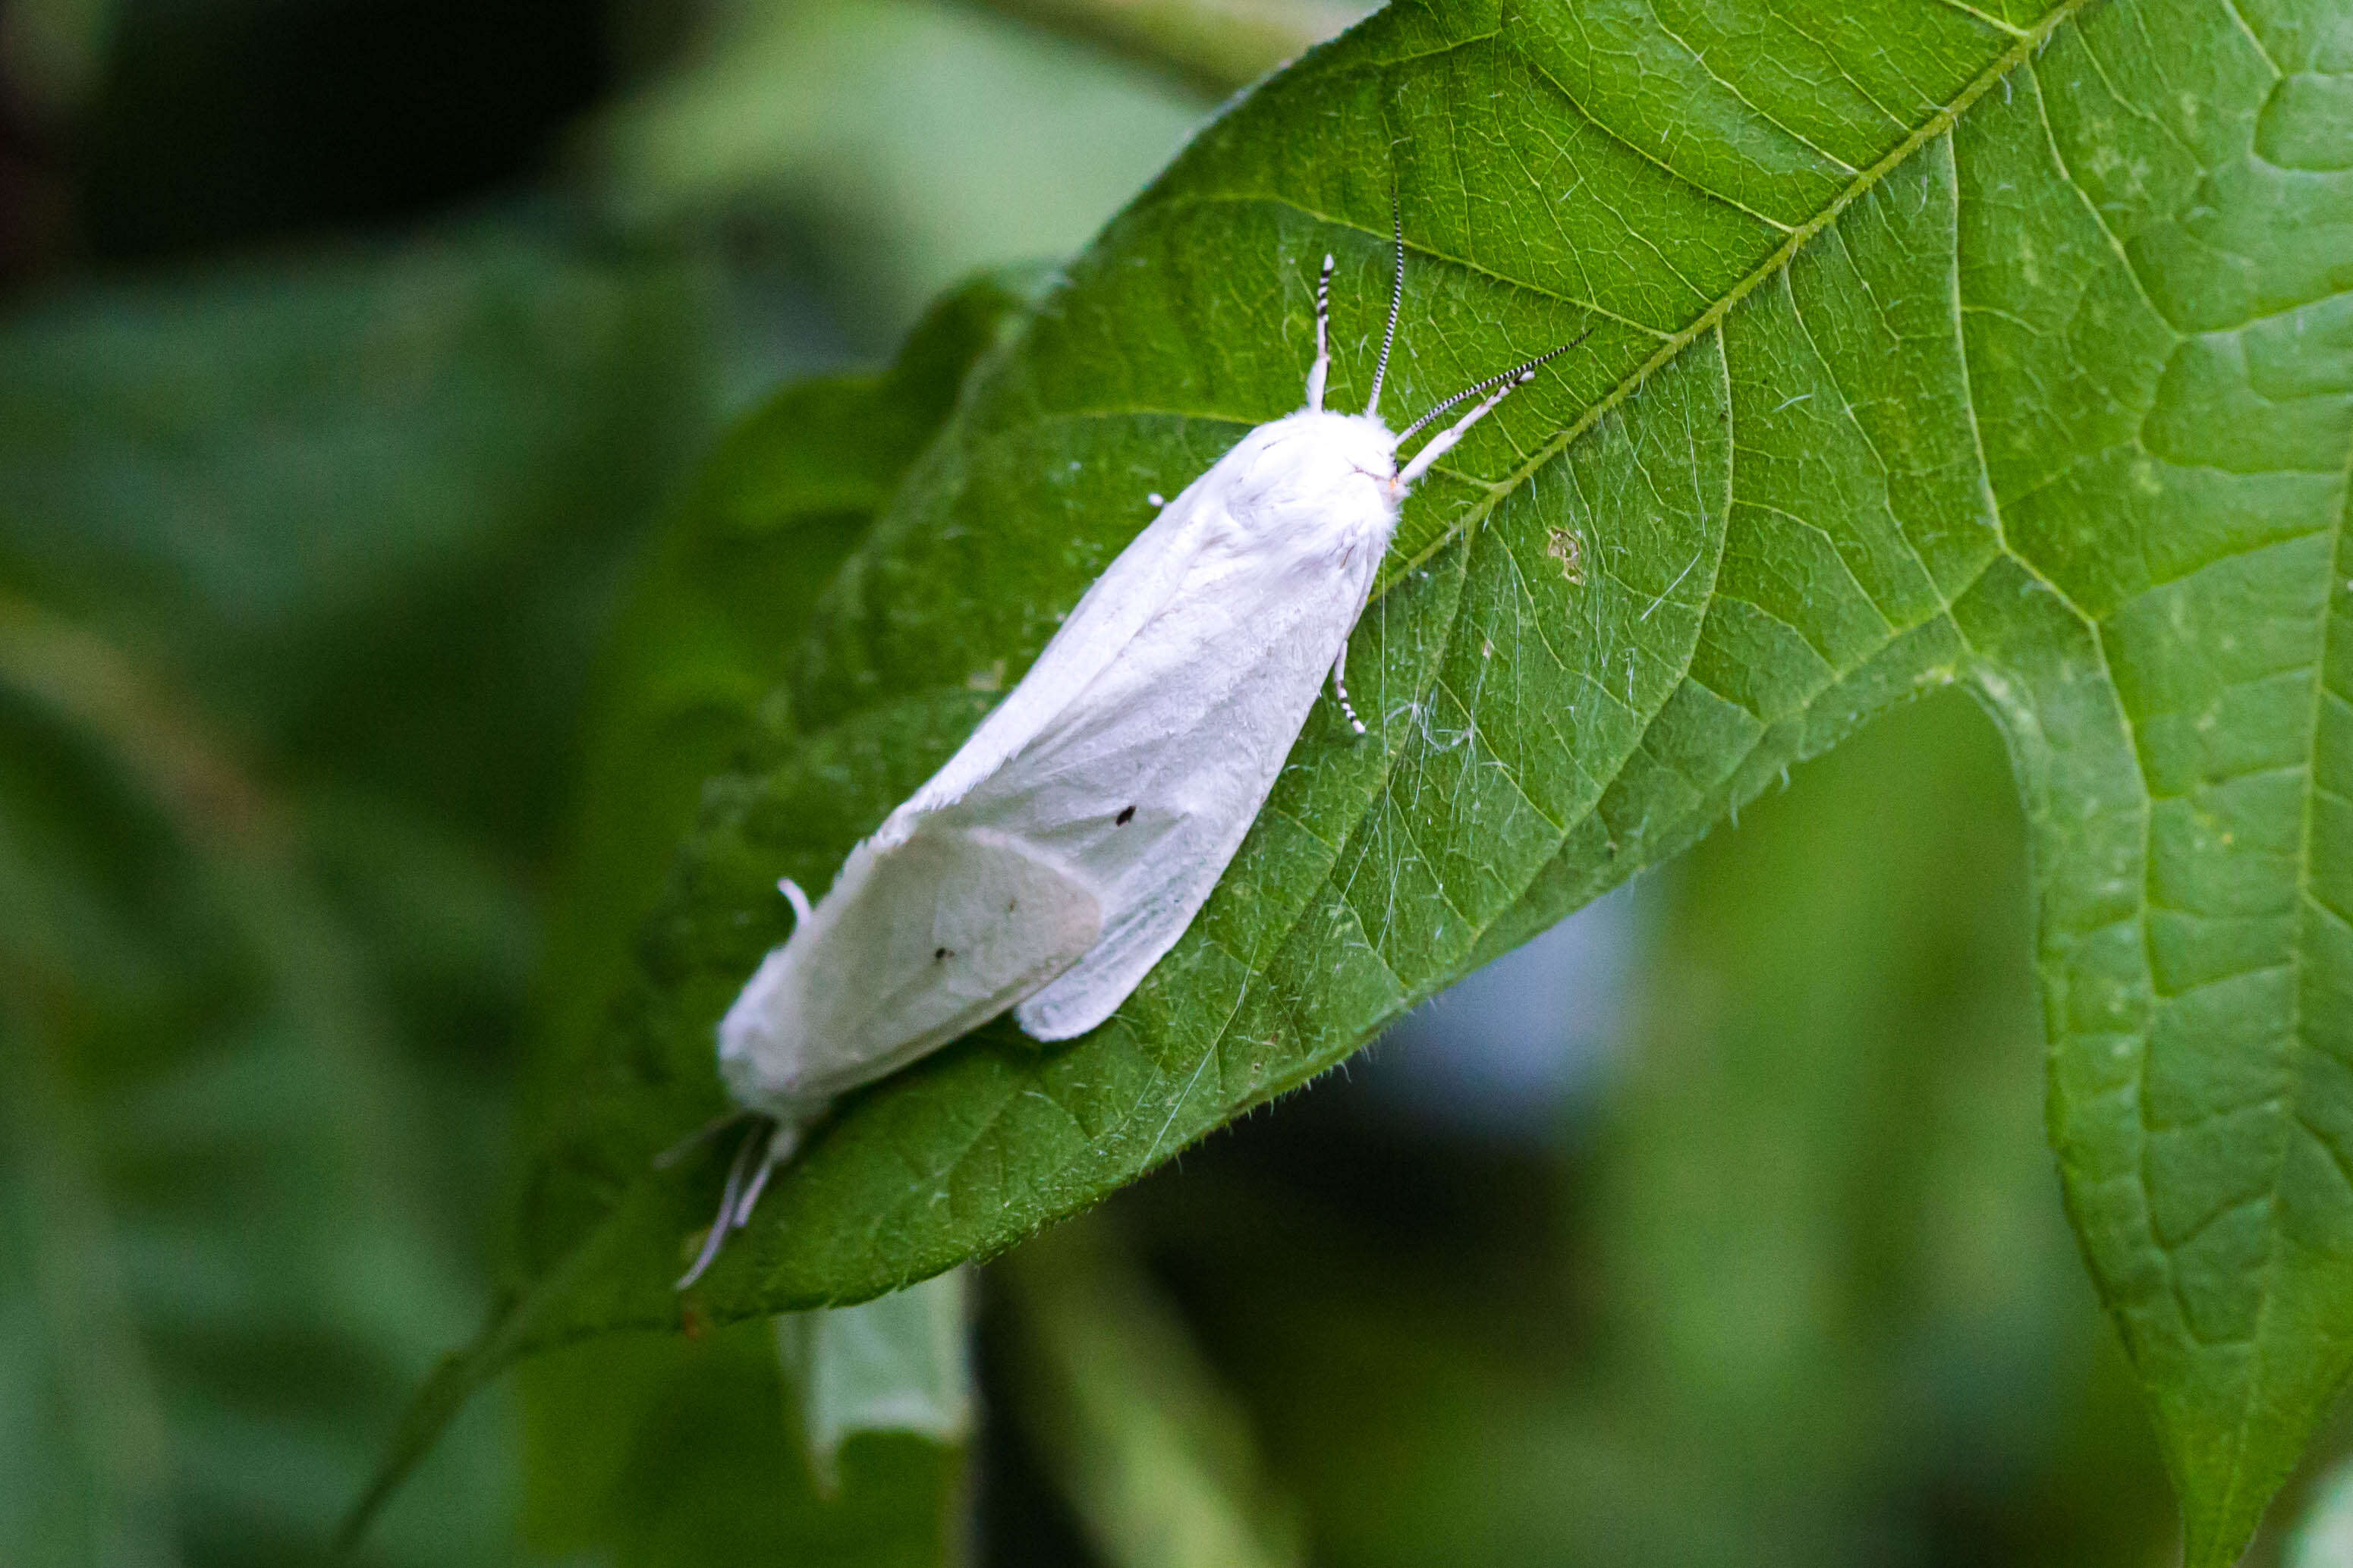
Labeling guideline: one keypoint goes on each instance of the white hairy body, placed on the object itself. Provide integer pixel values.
(1064, 849)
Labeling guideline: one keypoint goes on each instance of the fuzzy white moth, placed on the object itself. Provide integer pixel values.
(1064, 850)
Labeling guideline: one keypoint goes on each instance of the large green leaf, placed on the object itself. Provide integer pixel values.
(221, 1262)
(277, 539)
(1931, 342)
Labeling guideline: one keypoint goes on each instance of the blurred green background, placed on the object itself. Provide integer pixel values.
(352, 353)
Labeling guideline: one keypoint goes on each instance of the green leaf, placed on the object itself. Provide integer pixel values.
(897, 1364)
(1931, 342)
(221, 1267)
(367, 504)
(1149, 1446)
(670, 1452)
(902, 144)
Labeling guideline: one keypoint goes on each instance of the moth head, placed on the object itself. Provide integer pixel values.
(1395, 480)
(1315, 456)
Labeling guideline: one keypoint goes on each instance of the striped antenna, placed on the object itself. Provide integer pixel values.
(1322, 368)
(1397, 302)
(1494, 380)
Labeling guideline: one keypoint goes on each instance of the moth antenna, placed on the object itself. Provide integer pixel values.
(1494, 380)
(799, 900)
(1397, 302)
(1321, 369)
(1444, 440)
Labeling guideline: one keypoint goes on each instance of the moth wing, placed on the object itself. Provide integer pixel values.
(933, 926)
(916, 944)
(1136, 587)
(1150, 781)
(1155, 903)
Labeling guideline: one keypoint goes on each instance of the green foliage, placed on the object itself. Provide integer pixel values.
(405, 477)
(649, 1452)
(731, 575)
(1931, 345)
(1149, 1446)
(1799, 1295)
(908, 141)
(1832, 1276)
(2005, 345)
(260, 943)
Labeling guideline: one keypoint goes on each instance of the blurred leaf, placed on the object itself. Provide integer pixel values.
(301, 558)
(897, 1364)
(2323, 1538)
(220, 1264)
(371, 504)
(1214, 45)
(909, 142)
(1841, 1310)
(1151, 1450)
(1931, 345)
(100, 1491)
(682, 1453)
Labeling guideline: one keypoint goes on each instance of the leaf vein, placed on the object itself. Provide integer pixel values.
(1935, 125)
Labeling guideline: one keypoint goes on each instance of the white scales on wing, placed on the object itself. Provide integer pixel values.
(1063, 850)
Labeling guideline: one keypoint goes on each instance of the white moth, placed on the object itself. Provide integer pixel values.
(1064, 850)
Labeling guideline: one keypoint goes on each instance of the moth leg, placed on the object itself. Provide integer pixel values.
(783, 1139)
(1444, 441)
(738, 1170)
(1340, 687)
(696, 1139)
(1321, 370)
(794, 896)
